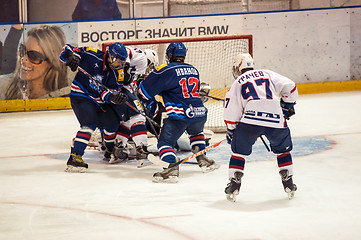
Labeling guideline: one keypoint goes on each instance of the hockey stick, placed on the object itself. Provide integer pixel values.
(142, 105)
(219, 99)
(126, 102)
(264, 142)
(159, 162)
(211, 97)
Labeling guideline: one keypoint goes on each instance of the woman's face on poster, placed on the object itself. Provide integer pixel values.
(34, 64)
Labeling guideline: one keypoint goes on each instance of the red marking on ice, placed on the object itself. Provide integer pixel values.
(142, 220)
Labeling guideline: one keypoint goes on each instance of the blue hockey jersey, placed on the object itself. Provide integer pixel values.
(178, 84)
(93, 61)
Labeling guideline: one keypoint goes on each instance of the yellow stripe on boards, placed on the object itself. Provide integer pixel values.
(64, 103)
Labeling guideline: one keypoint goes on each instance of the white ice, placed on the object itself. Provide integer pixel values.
(38, 200)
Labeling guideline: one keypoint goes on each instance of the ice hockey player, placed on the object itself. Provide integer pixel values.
(88, 98)
(156, 109)
(133, 123)
(178, 84)
(253, 108)
(183, 143)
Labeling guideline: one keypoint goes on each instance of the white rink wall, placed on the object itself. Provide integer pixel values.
(307, 46)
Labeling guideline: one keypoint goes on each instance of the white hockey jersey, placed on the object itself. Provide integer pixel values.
(254, 99)
(137, 60)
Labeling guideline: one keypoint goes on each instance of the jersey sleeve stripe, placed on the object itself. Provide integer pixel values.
(294, 89)
(144, 93)
(230, 122)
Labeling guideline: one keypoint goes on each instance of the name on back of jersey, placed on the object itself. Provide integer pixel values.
(186, 71)
(251, 74)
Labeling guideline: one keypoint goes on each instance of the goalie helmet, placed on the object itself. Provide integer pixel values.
(152, 58)
(242, 61)
(117, 54)
(175, 49)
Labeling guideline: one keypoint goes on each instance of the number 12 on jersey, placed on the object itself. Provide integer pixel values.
(191, 83)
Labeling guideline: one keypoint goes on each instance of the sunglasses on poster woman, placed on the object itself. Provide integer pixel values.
(34, 57)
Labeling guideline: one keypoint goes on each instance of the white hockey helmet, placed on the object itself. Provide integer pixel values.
(152, 57)
(242, 61)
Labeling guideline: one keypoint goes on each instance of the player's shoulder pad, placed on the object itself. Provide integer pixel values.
(91, 49)
(160, 67)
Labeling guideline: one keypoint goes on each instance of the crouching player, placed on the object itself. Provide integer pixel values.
(90, 99)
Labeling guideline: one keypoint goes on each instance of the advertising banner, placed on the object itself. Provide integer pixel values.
(30, 66)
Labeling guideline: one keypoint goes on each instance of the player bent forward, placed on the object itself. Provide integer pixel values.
(90, 100)
(252, 108)
(178, 84)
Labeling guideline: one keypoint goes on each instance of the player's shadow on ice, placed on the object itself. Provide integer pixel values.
(247, 206)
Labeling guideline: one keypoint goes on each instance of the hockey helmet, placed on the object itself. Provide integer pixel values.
(175, 49)
(242, 61)
(152, 57)
(117, 54)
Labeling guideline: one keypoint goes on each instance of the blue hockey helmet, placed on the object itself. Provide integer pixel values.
(117, 54)
(118, 50)
(176, 49)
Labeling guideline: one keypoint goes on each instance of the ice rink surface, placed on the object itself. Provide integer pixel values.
(38, 200)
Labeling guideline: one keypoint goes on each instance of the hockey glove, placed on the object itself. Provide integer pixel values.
(204, 90)
(288, 109)
(229, 135)
(128, 73)
(73, 61)
(117, 98)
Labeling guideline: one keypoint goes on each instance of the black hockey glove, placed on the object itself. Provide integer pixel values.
(128, 73)
(73, 61)
(229, 135)
(288, 109)
(117, 98)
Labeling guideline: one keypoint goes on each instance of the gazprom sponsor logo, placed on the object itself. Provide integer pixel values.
(192, 112)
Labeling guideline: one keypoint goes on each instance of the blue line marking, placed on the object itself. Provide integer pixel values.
(302, 146)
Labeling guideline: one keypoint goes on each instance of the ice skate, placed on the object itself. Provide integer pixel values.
(141, 155)
(207, 165)
(288, 184)
(131, 149)
(109, 156)
(168, 175)
(76, 164)
(232, 189)
(120, 154)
